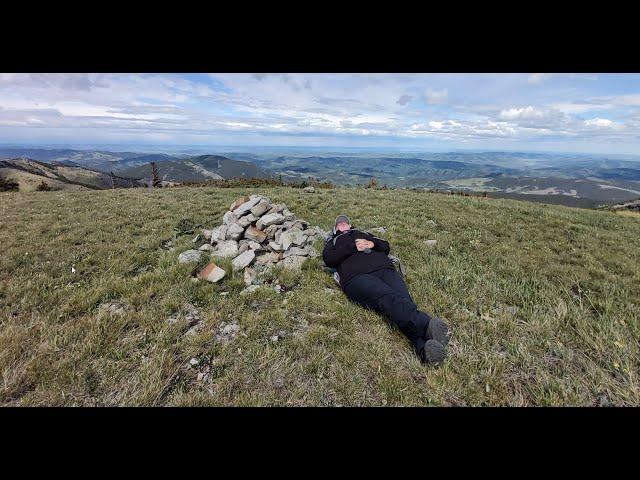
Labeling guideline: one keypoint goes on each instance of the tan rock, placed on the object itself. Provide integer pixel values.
(267, 258)
(249, 276)
(271, 231)
(239, 201)
(211, 273)
(255, 234)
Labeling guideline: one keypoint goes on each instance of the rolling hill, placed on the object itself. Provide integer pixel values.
(58, 176)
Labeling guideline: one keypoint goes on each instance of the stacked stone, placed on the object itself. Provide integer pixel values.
(258, 234)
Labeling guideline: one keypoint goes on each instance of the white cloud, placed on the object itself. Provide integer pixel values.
(522, 113)
(600, 123)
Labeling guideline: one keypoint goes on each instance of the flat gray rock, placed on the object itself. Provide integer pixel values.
(276, 246)
(243, 260)
(260, 209)
(267, 258)
(246, 207)
(234, 232)
(269, 219)
(291, 237)
(254, 245)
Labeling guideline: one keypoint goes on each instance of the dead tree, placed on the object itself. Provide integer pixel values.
(156, 178)
(113, 181)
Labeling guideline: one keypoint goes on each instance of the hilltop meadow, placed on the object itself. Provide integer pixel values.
(543, 300)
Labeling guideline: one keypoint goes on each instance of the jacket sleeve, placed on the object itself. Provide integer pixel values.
(380, 245)
(333, 256)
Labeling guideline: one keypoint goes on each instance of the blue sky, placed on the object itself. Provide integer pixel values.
(590, 113)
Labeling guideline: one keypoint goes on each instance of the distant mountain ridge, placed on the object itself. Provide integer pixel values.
(94, 159)
(197, 169)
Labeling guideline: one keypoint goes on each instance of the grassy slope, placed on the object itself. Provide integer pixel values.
(572, 275)
(29, 182)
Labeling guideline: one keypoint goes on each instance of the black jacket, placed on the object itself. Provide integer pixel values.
(340, 252)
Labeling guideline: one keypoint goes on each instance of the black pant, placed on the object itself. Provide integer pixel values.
(385, 292)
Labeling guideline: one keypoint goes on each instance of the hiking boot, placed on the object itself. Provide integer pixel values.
(438, 330)
(433, 352)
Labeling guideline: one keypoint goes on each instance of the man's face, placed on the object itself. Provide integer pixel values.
(343, 226)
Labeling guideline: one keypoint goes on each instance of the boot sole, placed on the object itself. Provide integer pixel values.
(434, 352)
(439, 331)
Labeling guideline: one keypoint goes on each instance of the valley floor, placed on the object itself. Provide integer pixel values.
(544, 302)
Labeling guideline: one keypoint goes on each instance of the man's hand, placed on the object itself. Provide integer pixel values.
(362, 244)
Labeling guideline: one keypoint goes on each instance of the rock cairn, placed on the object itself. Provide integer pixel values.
(256, 234)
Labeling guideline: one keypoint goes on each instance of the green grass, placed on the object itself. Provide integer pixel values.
(544, 302)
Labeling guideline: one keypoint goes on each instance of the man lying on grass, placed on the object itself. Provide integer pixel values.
(369, 278)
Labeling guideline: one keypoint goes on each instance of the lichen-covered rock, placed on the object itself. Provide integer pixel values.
(229, 218)
(294, 262)
(190, 256)
(227, 249)
(309, 189)
(250, 289)
(308, 251)
(288, 215)
(219, 234)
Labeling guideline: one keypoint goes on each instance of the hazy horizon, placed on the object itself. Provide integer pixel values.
(177, 148)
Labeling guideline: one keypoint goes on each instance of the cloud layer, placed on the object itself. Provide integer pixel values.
(585, 112)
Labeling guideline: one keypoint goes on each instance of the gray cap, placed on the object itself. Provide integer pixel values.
(341, 218)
